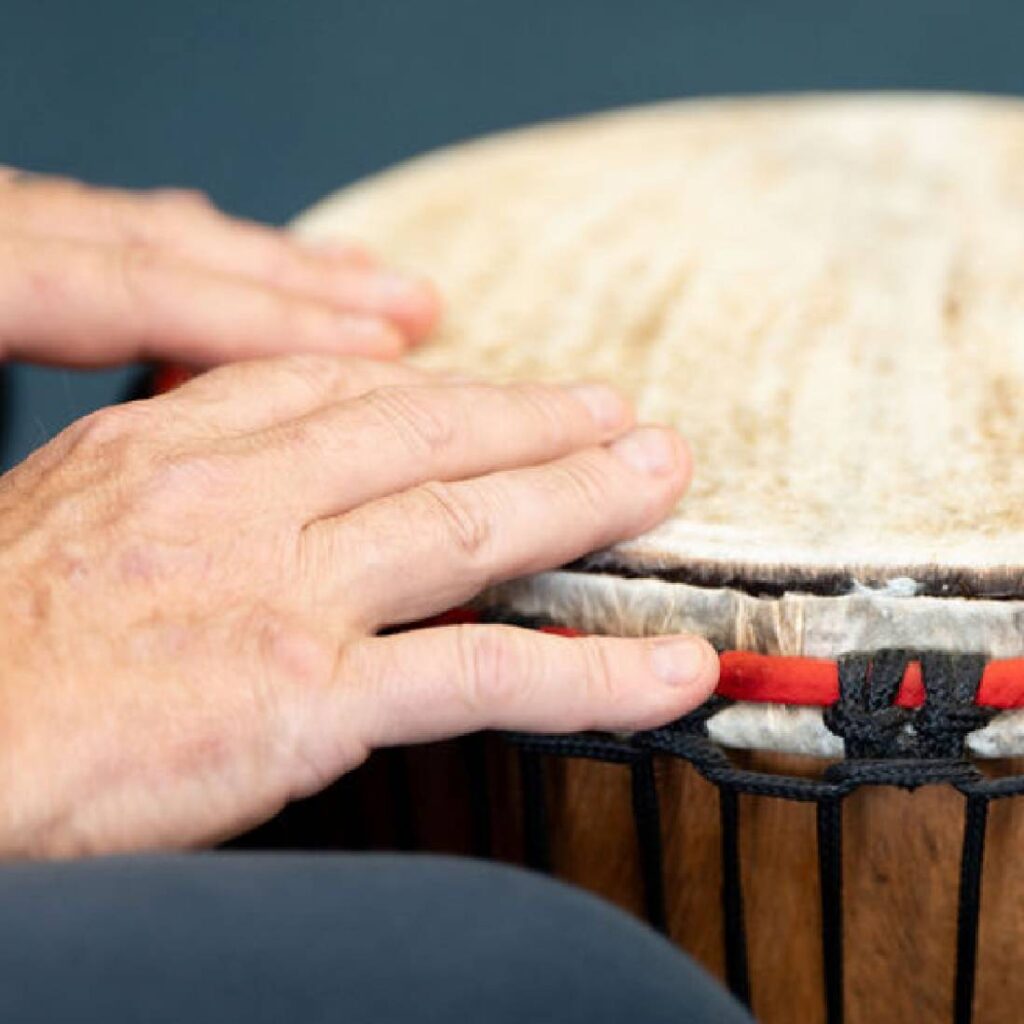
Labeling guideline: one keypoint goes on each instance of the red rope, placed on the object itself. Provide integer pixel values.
(168, 376)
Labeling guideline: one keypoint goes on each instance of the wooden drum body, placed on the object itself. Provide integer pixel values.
(826, 295)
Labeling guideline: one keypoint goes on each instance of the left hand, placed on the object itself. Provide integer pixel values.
(94, 276)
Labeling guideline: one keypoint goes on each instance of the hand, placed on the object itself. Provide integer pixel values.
(93, 276)
(190, 589)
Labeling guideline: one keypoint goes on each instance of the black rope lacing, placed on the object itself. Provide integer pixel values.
(885, 745)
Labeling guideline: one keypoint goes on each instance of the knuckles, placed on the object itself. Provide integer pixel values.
(587, 482)
(492, 671)
(118, 426)
(137, 262)
(290, 651)
(546, 406)
(464, 523)
(128, 445)
(407, 412)
(315, 375)
(601, 684)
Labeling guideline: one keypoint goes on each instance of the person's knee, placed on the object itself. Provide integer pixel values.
(404, 939)
(546, 948)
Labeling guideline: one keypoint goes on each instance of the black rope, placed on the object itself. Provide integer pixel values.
(830, 879)
(969, 906)
(886, 745)
(874, 727)
(737, 975)
(647, 820)
(871, 725)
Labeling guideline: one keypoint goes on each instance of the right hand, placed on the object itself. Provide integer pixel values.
(191, 589)
(94, 276)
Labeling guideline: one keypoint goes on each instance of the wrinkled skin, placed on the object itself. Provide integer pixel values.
(192, 586)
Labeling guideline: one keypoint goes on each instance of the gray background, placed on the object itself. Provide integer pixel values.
(268, 105)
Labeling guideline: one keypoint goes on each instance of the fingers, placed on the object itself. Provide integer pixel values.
(90, 305)
(417, 553)
(185, 226)
(434, 683)
(411, 303)
(256, 394)
(393, 438)
(339, 249)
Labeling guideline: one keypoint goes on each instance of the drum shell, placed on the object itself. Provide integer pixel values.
(901, 862)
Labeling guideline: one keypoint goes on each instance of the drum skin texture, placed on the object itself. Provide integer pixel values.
(826, 296)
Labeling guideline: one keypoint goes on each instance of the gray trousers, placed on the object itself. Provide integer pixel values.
(304, 938)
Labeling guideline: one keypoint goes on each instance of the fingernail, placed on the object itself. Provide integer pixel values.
(678, 661)
(649, 450)
(606, 406)
(370, 330)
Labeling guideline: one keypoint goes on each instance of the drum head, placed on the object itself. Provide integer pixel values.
(824, 295)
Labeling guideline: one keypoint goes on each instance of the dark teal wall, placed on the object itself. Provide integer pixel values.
(268, 105)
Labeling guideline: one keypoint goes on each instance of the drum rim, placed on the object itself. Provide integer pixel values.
(952, 580)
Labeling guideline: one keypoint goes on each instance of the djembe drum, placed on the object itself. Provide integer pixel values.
(826, 296)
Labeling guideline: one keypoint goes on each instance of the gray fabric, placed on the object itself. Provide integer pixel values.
(298, 938)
